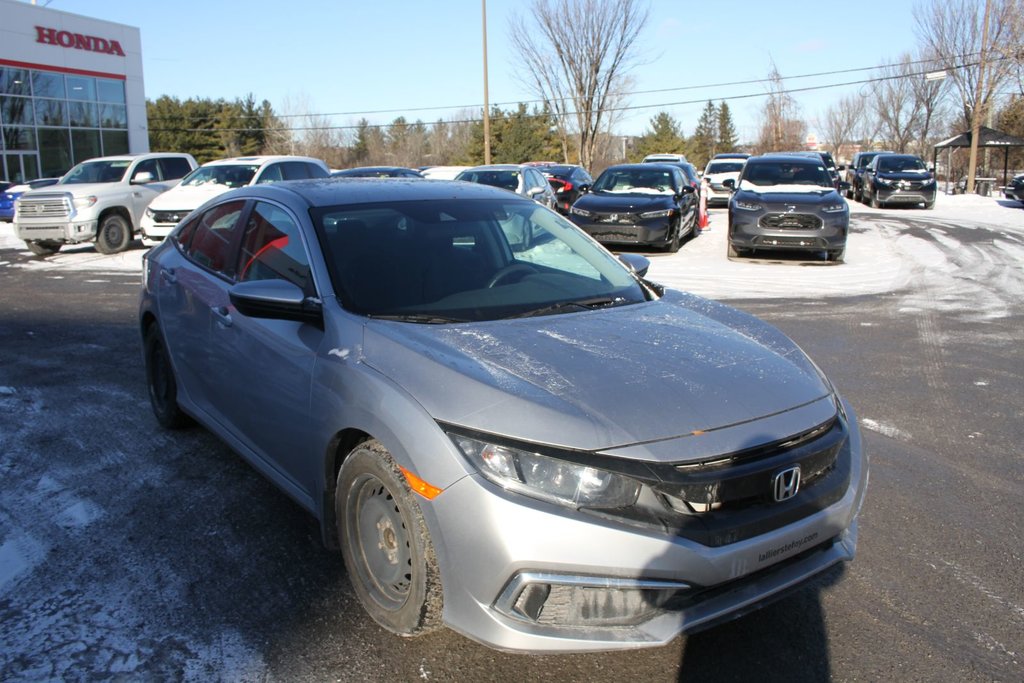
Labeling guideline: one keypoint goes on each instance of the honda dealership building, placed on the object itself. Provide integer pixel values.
(70, 89)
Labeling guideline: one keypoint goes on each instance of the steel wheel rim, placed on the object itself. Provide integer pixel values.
(381, 543)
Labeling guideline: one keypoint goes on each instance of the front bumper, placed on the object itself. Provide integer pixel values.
(522, 575)
(898, 195)
(55, 231)
(153, 230)
(746, 231)
(656, 232)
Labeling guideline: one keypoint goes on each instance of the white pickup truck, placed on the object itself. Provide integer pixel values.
(100, 200)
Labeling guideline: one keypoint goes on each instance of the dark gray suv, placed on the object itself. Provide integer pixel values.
(787, 202)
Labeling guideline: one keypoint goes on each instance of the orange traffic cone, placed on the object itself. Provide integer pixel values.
(702, 208)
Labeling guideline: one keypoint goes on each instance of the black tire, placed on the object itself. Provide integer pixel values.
(385, 543)
(875, 204)
(836, 255)
(114, 234)
(730, 251)
(43, 247)
(676, 241)
(929, 205)
(161, 384)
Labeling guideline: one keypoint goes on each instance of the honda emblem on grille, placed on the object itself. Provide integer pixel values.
(786, 483)
(39, 208)
(614, 217)
(790, 208)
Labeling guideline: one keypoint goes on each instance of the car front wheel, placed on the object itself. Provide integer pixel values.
(385, 543)
(114, 235)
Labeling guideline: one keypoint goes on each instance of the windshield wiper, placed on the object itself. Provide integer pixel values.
(422, 318)
(581, 304)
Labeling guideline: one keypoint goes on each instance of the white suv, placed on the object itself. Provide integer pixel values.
(216, 177)
(716, 173)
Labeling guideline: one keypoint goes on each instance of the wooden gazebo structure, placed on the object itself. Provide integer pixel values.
(988, 138)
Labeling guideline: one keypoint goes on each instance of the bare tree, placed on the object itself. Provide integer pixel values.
(894, 105)
(781, 127)
(929, 101)
(576, 66)
(839, 122)
(979, 47)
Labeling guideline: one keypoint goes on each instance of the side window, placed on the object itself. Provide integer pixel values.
(316, 170)
(147, 166)
(184, 235)
(270, 174)
(214, 231)
(272, 248)
(295, 170)
(175, 167)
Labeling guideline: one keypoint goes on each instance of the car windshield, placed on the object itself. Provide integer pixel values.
(229, 175)
(466, 260)
(901, 165)
(724, 167)
(773, 174)
(96, 172)
(506, 180)
(636, 181)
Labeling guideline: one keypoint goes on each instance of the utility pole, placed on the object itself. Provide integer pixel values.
(978, 113)
(487, 106)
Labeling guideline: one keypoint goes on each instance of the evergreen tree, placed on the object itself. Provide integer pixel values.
(664, 137)
(705, 137)
(727, 136)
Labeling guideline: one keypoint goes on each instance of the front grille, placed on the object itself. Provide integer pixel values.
(616, 218)
(53, 206)
(730, 499)
(168, 216)
(790, 221)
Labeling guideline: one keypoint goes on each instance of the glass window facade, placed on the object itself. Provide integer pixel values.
(54, 120)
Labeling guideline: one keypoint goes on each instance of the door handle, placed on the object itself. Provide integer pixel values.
(221, 315)
(169, 277)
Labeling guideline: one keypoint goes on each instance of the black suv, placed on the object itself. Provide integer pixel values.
(568, 181)
(855, 173)
(898, 179)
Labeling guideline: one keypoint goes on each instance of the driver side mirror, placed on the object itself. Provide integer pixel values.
(142, 177)
(730, 184)
(636, 263)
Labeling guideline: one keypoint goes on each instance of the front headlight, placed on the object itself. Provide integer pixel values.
(884, 182)
(579, 212)
(547, 478)
(748, 206)
(84, 202)
(149, 213)
(665, 213)
(834, 208)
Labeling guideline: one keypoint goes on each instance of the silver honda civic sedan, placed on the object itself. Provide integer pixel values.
(503, 428)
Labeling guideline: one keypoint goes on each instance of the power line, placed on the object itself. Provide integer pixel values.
(624, 108)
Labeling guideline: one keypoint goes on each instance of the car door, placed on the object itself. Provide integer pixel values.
(264, 367)
(142, 193)
(192, 296)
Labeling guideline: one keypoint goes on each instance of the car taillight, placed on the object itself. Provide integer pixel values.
(566, 187)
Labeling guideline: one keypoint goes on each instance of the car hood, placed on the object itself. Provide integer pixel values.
(624, 202)
(893, 175)
(790, 194)
(187, 198)
(603, 379)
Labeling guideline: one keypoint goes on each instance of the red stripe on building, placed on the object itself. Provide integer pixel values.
(61, 69)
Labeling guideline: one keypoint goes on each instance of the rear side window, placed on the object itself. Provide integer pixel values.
(175, 167)
(301, 170)
(272, 248)
(270, 174)
(214, 232)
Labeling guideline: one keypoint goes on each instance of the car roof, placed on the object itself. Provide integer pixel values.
(499, 167)
(335, 191)
(812, 158)
(260, 160)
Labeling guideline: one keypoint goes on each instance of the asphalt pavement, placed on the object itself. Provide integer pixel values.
(128, 552)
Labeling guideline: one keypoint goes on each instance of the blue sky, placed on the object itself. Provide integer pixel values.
(422, 59)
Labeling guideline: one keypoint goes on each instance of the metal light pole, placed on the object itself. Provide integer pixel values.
(972, 164)
(487, 106)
